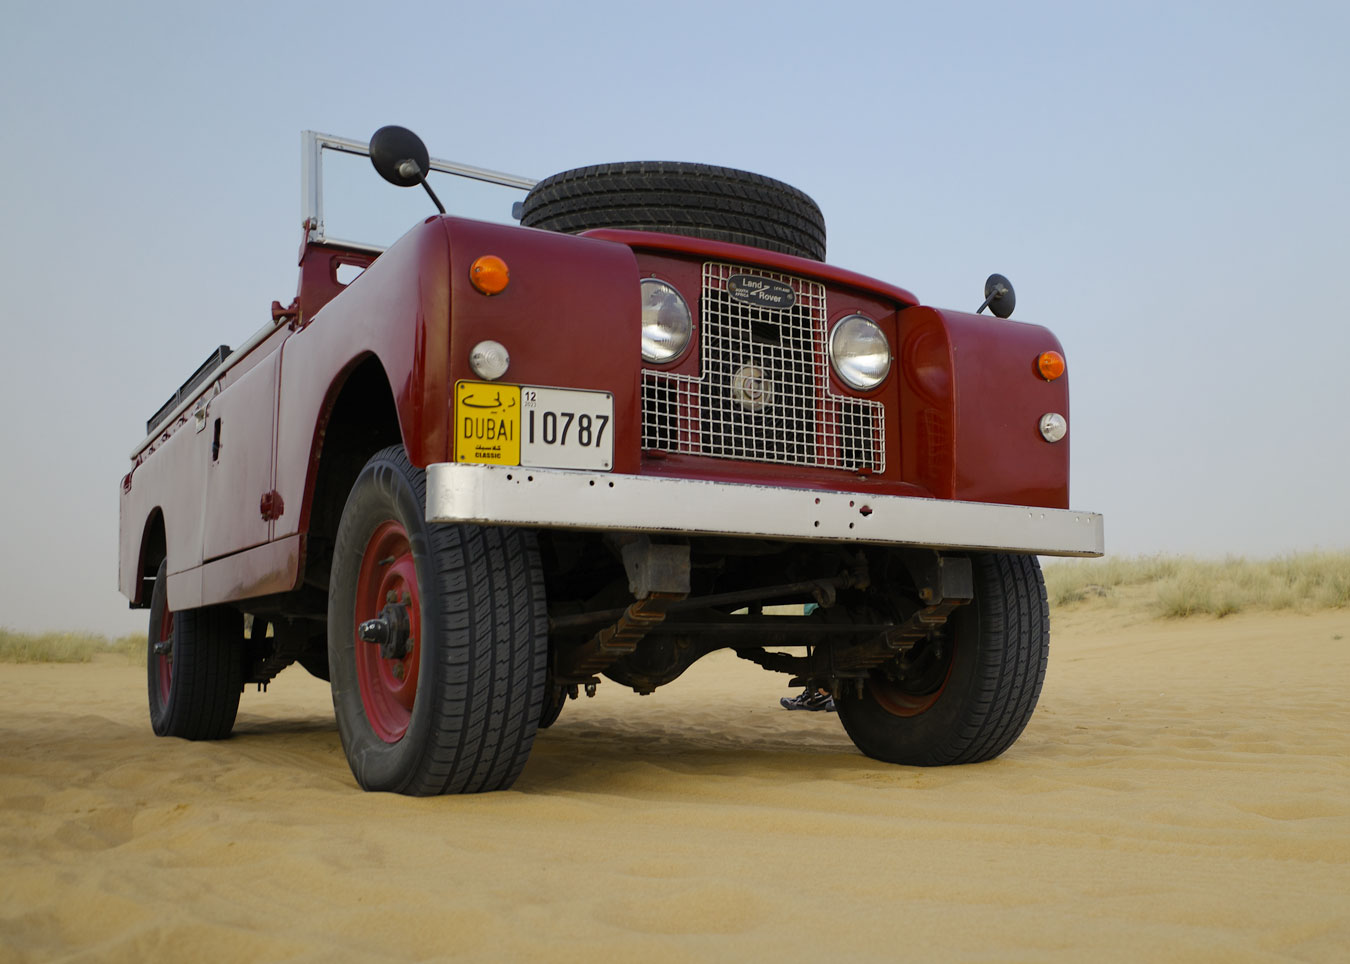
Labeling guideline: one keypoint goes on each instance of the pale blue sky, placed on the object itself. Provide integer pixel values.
(1164, 183)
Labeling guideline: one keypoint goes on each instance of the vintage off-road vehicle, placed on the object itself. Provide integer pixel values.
(646, 423)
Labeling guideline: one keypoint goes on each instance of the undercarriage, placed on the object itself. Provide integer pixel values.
(844, 613)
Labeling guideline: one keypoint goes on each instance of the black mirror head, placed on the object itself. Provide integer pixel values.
(399, 155)
(999, 296)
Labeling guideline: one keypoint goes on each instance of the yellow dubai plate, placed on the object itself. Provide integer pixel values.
(532, 425)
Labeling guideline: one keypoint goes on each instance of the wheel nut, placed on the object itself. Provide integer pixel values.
(374, 631)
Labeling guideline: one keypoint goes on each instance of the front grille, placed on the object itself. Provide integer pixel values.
(763, 393)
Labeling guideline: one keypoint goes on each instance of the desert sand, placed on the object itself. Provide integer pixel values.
(1182, 793)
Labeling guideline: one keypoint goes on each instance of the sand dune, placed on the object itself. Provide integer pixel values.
(1183, 792)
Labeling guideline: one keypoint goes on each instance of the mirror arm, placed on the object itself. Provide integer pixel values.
(434, 199)
(410, 168)
(998, 292)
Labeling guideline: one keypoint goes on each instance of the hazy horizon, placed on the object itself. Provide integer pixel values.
(1164, 184)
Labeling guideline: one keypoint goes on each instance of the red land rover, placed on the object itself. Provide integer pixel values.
(645, 423)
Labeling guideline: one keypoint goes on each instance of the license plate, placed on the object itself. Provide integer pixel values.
(559, 428)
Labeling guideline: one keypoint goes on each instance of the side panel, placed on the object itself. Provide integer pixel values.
(173, 479)
(240, 424)
(397, 311)
(270, 568)
(206, 475)
(971, 405)
(570, 318)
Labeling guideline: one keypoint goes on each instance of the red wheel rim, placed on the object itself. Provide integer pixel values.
(388, 686)
(163, 654)
(912, 697)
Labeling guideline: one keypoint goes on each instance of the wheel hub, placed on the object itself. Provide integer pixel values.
(913, 682)
(391, 630)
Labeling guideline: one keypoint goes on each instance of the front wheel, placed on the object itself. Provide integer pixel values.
(965, 694)
(437, 640)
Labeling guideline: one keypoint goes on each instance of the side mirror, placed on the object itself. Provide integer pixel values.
(999, 296)
(401, 158)
(399, 155)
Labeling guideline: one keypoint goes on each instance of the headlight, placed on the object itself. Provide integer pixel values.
(859, 353)
(666, 322)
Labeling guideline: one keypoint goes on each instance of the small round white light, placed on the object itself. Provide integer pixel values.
(666, 322)
(1053, 426)
(860, 353)
(489, 360)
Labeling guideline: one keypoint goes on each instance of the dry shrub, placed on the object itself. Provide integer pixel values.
(17, 647)
(1082, 579)
(132, 646)
(1183, 587)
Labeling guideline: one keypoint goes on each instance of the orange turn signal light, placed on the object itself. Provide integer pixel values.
(1050, 365)
(489, 274)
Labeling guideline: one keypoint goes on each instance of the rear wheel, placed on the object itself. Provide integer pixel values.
(195, 667)
(437, 640)
(966, 694)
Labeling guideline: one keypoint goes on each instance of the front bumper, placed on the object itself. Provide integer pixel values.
(569, 499)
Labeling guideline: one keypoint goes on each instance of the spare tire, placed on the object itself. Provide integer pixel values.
(694, 200)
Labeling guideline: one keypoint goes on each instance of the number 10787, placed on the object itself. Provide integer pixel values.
(555, 428)
(566, 428)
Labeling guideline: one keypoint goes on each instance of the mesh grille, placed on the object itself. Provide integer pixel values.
(764, 392)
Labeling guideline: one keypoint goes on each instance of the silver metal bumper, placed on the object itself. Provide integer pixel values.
(570, 499)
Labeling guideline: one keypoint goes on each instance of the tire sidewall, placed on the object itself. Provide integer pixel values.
(383, 492)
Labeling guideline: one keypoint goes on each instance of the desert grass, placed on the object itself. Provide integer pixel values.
(1173, 587)
(17, 647)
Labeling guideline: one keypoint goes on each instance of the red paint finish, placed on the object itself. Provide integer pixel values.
(239, 469)
(963, 398)
(397, 312)
(388, 686)
(261, 571)
(970, 404)
(319, 285)
(738, 254)
(173, 483)
(570, 318)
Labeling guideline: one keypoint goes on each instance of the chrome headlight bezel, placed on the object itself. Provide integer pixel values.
(860, 353)
(667, 323)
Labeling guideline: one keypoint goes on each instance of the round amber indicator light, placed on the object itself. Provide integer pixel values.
(1050, 365)
(489, 274)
